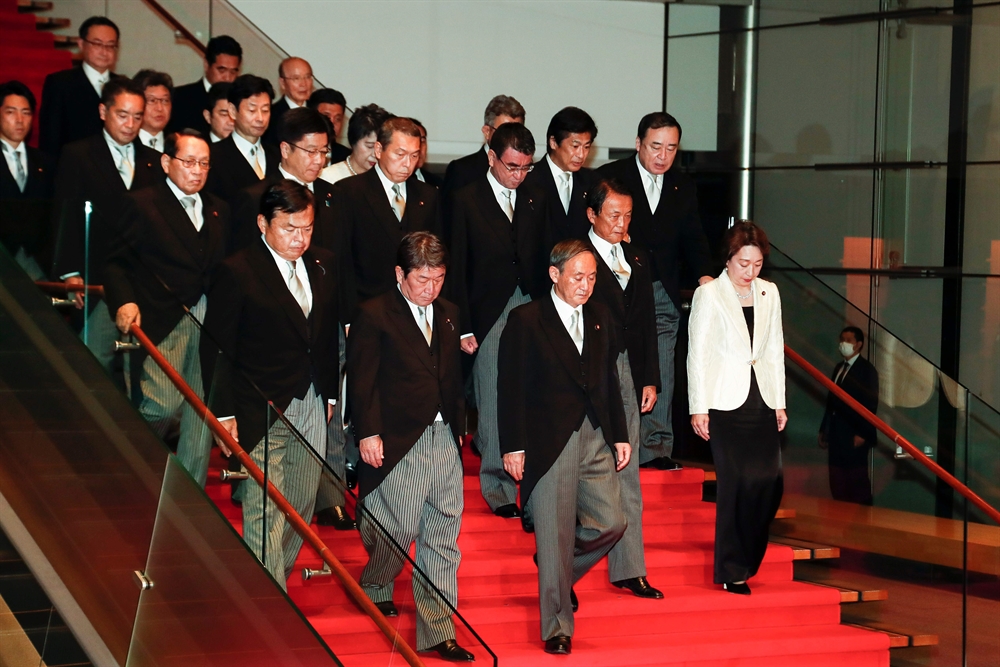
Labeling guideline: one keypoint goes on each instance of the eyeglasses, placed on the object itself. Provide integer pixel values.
(313, 152)
(157, 101)
(297, 79)
(517, 170)
(113, 46)
(189, 164)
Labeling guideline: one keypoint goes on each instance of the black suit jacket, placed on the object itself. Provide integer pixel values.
(160, 262)
(545, 388)
(430, 178)
(457, 175)
(69, 110)
(269, 350)
(671, 233)
(572, 225)
(369, 233)
(188, 104)
(231, 172)
(491, 256)
(246, 207)
(278, 109)
(841, 423)
(338, 153)
(632, 315)
(87, 173)
(398, 382)
(24, 216)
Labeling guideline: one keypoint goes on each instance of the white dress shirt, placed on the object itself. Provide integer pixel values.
(116, 154)
(291, 103)
(199, 215)
(154, 141)
(208, 86)
(244, 146)
(336, 172)
(603, 249)
(387, 185)
(13, 156)
(558, 175)
(498, 191)
(285, 174)
(429, 312)
(645, 176)
(96, 79)
(565, 312)
(215, 139)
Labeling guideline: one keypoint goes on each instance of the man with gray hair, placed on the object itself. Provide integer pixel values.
(405, 387)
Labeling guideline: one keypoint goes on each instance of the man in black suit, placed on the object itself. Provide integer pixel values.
(295, 78)
(70, 98)
(846, 435)
(270, 337)
(216, 113)
(333, 105)
(459, 173)
(563, 432)
(624, 287)
(374, 210)
(562, 175)
(157, 87)
(101, 170)
(25, 183)
(664, 221)
(172, 239)
(499, 243)
(408, 408)
(421, 173)
(242, 159)
(223, 60)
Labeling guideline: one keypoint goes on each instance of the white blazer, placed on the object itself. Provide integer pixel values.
(719, 351)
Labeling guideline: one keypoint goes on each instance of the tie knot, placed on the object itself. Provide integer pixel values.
(397, 190)
(566, 176)
(422, 311)
(291, 268)
(253, 151)
(506, 194)
(187, 202)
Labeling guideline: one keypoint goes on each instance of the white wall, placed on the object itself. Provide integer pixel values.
(442, 60)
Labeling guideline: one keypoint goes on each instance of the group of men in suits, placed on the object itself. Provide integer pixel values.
(562, 286)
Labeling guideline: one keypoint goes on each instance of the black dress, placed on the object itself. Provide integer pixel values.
(747, 457)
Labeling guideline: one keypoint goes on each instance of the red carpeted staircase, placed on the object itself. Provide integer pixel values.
(27, 53)
(782, 623)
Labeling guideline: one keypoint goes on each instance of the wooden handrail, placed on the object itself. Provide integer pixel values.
(893, 435)
(61, 288)
(169, 18)
(297, 522)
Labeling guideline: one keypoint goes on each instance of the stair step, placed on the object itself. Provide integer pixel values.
(51, 23)
(807, 550)
(859, 593)
(65, 41)
(26, 6)
(898, 638)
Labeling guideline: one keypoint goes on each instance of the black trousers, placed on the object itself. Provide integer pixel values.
(747, 456)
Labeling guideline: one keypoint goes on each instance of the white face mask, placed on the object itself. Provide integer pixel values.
(846, 349)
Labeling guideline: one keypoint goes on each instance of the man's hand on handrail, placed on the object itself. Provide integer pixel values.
(75, 294)
(230, 426)
(126, 316)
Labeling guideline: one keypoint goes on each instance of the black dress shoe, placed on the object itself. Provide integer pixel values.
(351, 475)
(450, 650)
(640, 587)
(388, 609)
(662, 463)
(509, 511)
(336, 517)
(738, 589)
(559, 645)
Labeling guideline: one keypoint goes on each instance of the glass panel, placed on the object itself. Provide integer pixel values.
(209, 596)
(780, 12)
(913, 217)
(984, 85)
(979, 366)
(816, 89)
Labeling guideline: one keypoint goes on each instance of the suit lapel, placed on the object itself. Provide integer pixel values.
(177, 219)
(730, 304)
(552, 189)
(762, 305)
(379, 203)
(104, 163)
(490, 209)
(444, 331)
(318, 284)
(267, 272)
(609, 284)
(409, 330)
(414, 205)
(560, 340)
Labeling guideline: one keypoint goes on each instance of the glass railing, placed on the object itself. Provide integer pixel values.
(889, 514)
(150, 563)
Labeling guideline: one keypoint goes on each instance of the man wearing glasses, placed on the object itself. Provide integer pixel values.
(70, 98)
(500, 243)
(173, 237)
(158, 88)
(295, 78)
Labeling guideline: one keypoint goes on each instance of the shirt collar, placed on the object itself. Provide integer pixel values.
(243, 144)
(114, 144)
(387, 184)
(215, 139)
(557, 171)
(204, 82)
(564, 310)
(850, 362)
(180, 194)
(94, 76)
(285, 174)
(20, 150)
(645, 175)
(497, 187)
(429, 310)
(291, 103)
(145, 136)
(602, 247)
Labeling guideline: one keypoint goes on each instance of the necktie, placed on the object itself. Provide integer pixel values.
(20, 175)
(297, 289)
(398, 203)
(101, 80)
(508, 207)
(425, 326)
(152, 143)
(565, 189)
(621, 273)
(842, 372)
(576, 330)
(188, 204)
(125, 167)
(653, 192)
(255, 162)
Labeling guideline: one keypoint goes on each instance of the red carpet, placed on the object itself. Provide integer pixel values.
(782, 623)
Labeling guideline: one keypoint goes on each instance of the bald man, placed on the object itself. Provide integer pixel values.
(295, 78)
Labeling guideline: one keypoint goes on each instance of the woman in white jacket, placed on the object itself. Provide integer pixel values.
(736, 391)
